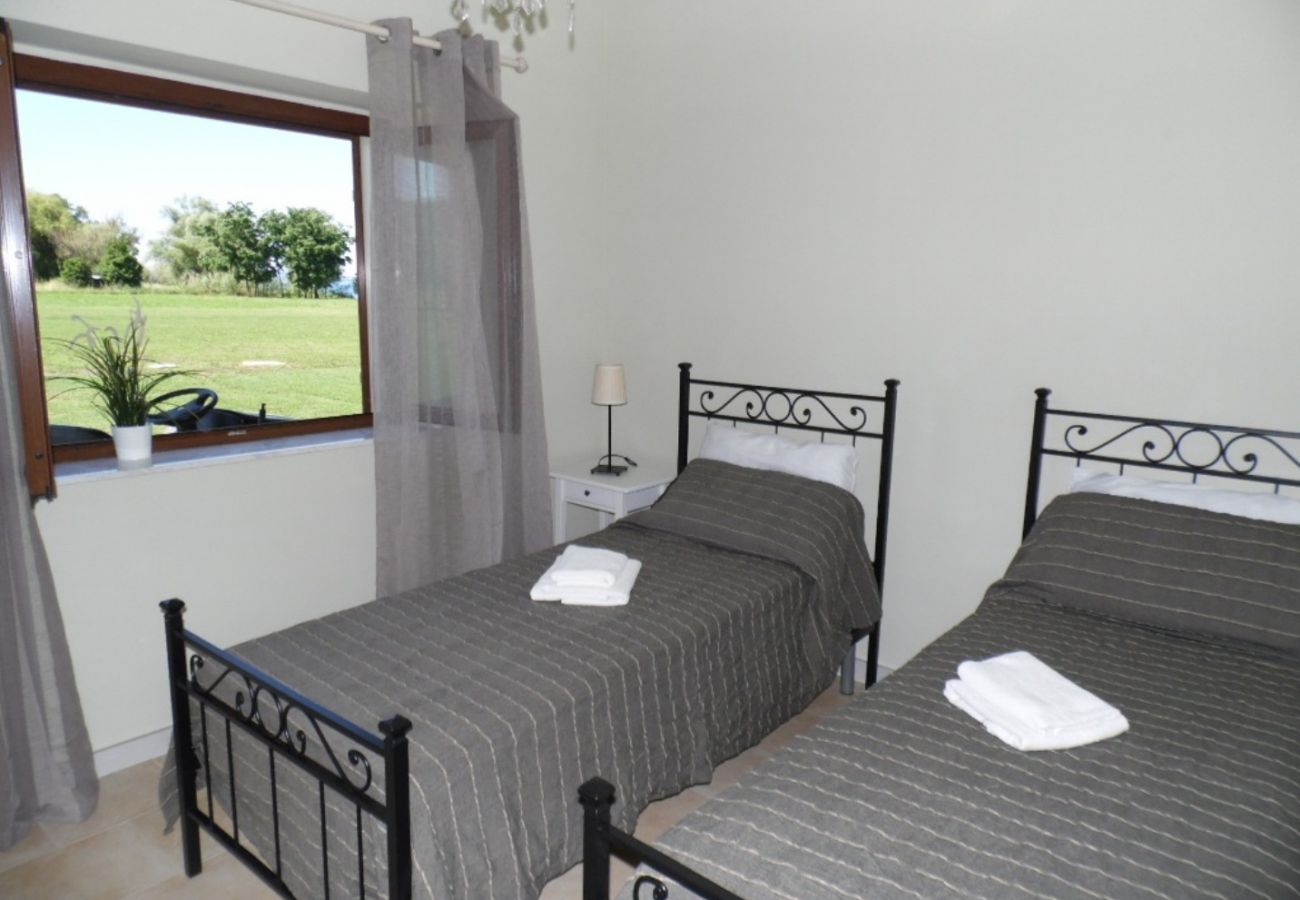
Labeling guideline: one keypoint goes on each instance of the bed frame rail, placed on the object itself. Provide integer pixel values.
(1234, 452)
(802, 409)
(600, 839)
(218, 690)
(1200, 449)
(332, 751)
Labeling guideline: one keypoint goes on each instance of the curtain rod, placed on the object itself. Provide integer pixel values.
(518, 63)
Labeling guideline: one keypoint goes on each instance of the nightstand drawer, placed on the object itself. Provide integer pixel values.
(612, 497)
(588, 495)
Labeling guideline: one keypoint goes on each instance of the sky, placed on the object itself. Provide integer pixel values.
(120, 160)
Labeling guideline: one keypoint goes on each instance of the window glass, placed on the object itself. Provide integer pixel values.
(237, 241)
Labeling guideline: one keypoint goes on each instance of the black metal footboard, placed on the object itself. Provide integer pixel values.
(600, 839)
(228, 698)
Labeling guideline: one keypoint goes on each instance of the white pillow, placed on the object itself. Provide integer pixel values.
(835, 464)
(1247, 504)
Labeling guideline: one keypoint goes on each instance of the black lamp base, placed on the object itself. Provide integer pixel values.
(606, 465)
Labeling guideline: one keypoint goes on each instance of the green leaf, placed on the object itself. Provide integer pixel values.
(115, 364)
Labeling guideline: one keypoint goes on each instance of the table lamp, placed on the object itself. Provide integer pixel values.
(609, 389)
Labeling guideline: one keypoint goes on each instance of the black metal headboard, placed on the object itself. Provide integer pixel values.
(824, 412)
(1221, 451)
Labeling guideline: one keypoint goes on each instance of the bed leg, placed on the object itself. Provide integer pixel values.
(182, 739)
(397, 797)
(873, 654)
(846, 669)
(596, 796)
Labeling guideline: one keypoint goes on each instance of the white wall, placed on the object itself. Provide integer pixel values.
(251, 546)
(975, 197)
(256, 545)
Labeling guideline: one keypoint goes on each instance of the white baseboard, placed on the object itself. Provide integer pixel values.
(129, 753)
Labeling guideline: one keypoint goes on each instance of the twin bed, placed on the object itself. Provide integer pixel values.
(507, 706)
(1186, 620)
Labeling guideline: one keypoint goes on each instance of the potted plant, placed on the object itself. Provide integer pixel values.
(125, 392)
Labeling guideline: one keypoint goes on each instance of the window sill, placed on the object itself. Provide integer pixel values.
(76, 472)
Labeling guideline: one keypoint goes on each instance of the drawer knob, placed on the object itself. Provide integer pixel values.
(586, 493)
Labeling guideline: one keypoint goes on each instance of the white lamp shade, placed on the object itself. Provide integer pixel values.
(609, 387)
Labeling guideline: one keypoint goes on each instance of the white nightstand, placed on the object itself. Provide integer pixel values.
(612, 496)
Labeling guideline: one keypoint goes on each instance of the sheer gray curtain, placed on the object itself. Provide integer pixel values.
(460, 447)
(47, 771)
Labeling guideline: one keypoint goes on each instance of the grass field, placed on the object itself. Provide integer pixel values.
(213, 336)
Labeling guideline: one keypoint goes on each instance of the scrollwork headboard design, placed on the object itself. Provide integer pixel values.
(857, 416)
(1260, 455)
(824, 412)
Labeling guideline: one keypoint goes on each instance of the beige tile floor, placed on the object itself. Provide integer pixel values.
(121, 850)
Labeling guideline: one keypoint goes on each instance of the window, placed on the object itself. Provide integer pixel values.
(234, 221)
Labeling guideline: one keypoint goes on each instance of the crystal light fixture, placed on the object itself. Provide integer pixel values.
(517, 13)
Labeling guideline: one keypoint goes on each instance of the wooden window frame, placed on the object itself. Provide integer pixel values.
(15, 251)
(150, 92)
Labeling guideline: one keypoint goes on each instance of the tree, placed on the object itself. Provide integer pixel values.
(51, 219)
(76, 272)
(187, 249)
(90, 240)
(315, 250)
(241, 247)
(60, 232)
(120, 264)
(273, 224)
(45, 256)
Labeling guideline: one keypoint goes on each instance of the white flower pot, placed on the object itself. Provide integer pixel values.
(134, 445)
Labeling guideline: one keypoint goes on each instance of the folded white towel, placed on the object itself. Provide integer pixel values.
(617, 594)
(1029, 705)
(587, 567)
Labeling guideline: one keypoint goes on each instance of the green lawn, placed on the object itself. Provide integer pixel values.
(212, 336)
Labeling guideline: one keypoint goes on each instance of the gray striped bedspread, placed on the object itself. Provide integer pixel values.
(900, 795)
(729, 633)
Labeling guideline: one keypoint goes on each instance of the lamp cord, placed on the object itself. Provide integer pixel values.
(613, 456)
